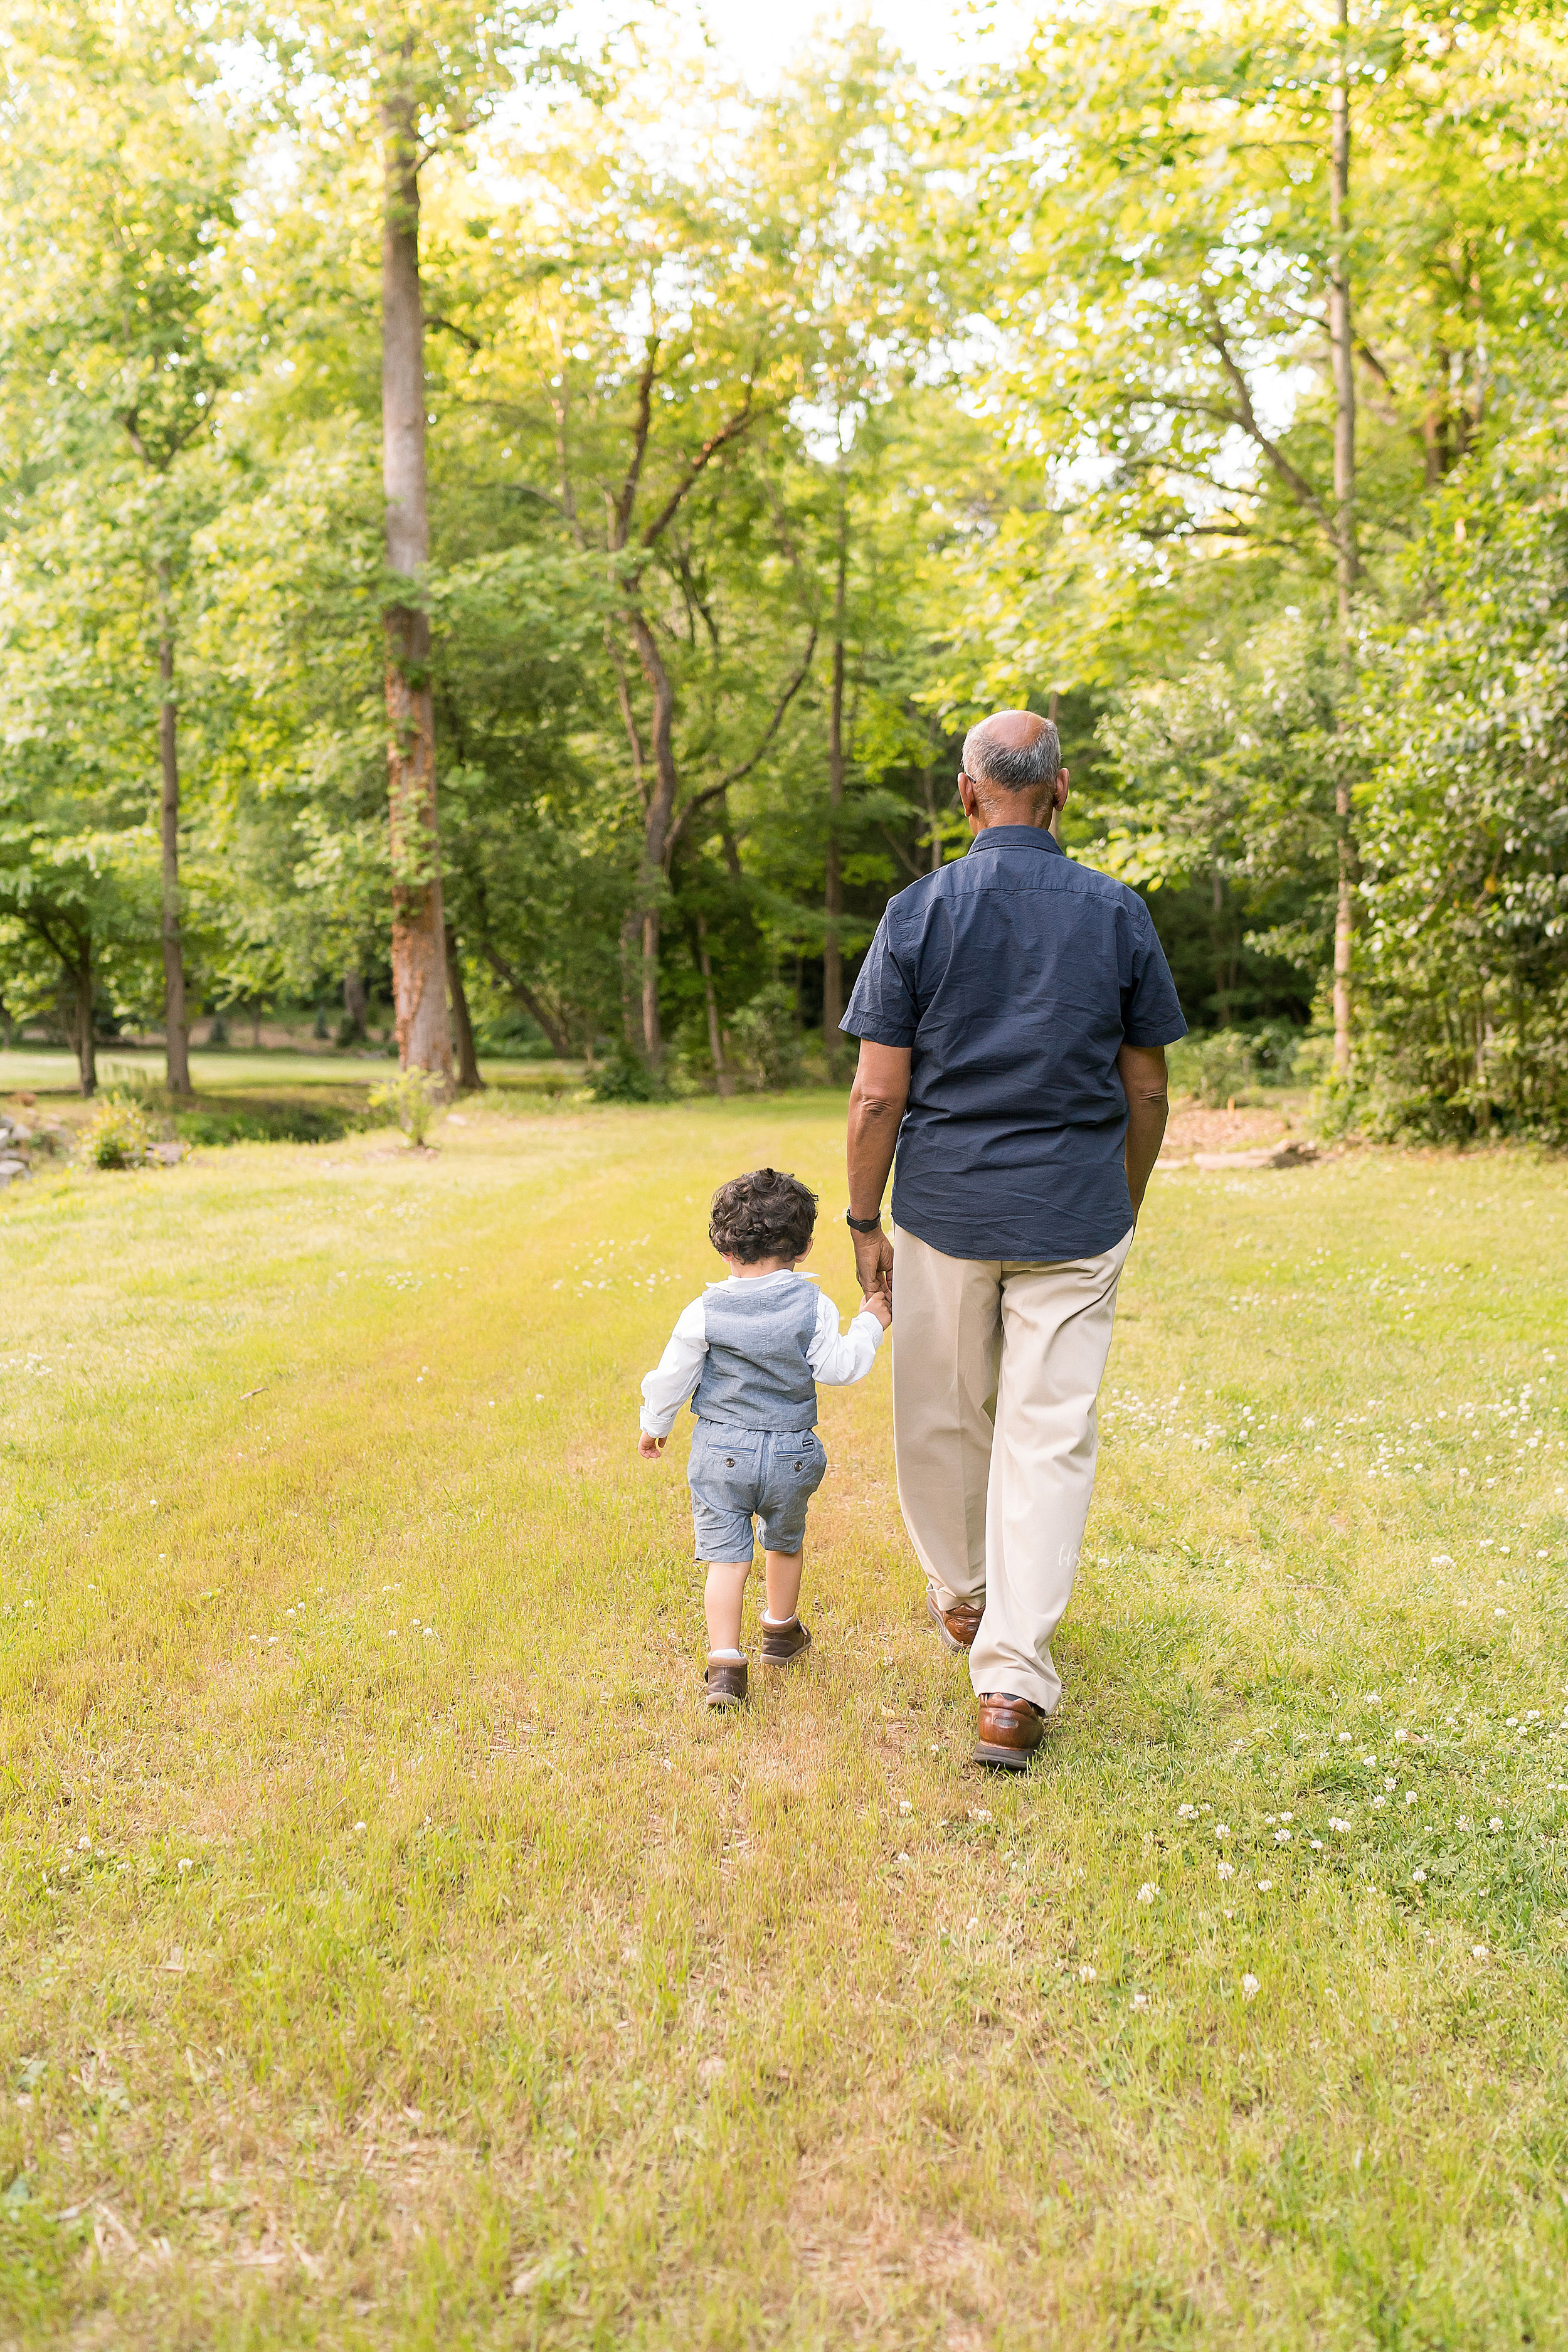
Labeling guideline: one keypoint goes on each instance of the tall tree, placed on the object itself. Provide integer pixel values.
(1198, 325)
(122, 330)
(415, 82)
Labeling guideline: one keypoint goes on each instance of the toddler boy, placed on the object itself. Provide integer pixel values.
(749, 1353)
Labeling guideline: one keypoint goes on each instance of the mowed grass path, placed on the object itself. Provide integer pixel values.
(395, 1955)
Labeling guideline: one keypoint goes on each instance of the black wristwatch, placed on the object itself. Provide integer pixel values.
(864, 1224)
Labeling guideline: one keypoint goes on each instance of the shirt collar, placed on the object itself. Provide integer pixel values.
(1016, 837)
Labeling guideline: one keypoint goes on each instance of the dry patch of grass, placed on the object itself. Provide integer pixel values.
(396, 1955)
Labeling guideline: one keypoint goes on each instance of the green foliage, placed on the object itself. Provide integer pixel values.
(1465, 821)
(767, 1037)
(623, 1077)
(414, 1098)
(858, 402)
(1215, 1064)
(118, 1134)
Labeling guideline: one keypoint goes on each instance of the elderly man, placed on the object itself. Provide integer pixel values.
(1013, 1015)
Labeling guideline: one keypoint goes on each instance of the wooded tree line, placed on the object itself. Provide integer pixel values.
(527, 531)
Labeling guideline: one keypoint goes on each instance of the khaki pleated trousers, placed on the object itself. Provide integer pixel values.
(996, 1368)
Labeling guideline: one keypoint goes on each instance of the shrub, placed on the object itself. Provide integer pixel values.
(116, 1134)
(623, 1077)
(767, 1039)
(1215, 1064)
(414, 1098)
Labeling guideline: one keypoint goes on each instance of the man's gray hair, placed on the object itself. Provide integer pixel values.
(1025, 768)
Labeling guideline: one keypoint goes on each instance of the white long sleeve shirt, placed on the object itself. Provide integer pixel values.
(837, 1359)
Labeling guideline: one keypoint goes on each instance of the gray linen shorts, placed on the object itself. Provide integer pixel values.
(739, 1475)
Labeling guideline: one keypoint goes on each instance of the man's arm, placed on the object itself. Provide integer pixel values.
(1142, 1069)
(877, 1100)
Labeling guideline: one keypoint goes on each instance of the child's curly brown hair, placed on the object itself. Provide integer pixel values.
(764, 1215)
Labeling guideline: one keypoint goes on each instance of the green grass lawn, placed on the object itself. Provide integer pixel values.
(395, 1954)
(234, 1069)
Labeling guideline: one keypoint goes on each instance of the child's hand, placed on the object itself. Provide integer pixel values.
(876, 1303)
(650, 1448)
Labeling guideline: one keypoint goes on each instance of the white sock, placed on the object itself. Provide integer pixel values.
(729, 1654)
(768, 1620)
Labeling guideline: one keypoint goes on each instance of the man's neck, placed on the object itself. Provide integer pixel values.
(1026, 813)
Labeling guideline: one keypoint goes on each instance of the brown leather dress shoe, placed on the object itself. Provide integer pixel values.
(957, 1626)
(1010, 1730)
(726, 1682)
(784, 1645)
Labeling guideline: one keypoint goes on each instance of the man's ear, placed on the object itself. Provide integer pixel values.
(1063, 779)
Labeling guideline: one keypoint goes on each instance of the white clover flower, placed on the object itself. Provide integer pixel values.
(905, 1806)
(1249, 1988)
(1418, 1878)
(1344, 1740)
(1442, 1560)
(1495, 1823)
(1316, 1844)
(1085, 1974)
(1139, 2000)
(1286, 1817)
(1147, 1891)
(1390, 1781)
(1220, 1830)
(1477, 1952)
(1227, 1870)
(1186, 1812)
(1402, 1734)
(1340, 1826)
(1266, 1886)
(1281, 1837)
(1374, 1699)
(184, 1862)
(1410, 1796)
(1379, 1800)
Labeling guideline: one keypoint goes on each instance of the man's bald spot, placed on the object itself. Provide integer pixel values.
(1015, 753)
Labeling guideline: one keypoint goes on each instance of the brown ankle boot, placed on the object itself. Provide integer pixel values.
(784, 1645)
(726, 1682)
(957, 1626)
(1010, 1730)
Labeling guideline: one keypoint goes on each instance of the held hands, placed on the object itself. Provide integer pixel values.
(650, 1448)
(875, 1303)
(874, 1266)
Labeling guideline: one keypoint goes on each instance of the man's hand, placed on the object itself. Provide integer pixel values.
(874, 1266)
(876, 1303)
(650, 1448)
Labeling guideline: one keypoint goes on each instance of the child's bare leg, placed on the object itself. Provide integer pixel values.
(722, 1598)
(783, 1573)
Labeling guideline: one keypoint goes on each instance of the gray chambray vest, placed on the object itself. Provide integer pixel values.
(755, 1374)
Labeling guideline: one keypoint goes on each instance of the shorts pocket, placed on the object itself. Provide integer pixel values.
(799, 1461)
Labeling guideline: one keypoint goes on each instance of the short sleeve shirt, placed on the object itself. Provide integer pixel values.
(1015, 976)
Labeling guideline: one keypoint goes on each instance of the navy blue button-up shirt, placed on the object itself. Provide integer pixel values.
(1015, 976)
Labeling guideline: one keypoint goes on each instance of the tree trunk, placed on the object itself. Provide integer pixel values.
(82, 1037)
(419, 931)
(1347, 560)
(355, 1004)
(642, 928)
(554, 1030)
(723, 1076)
(469, 1077)
(176, 1044)
(833, 882)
